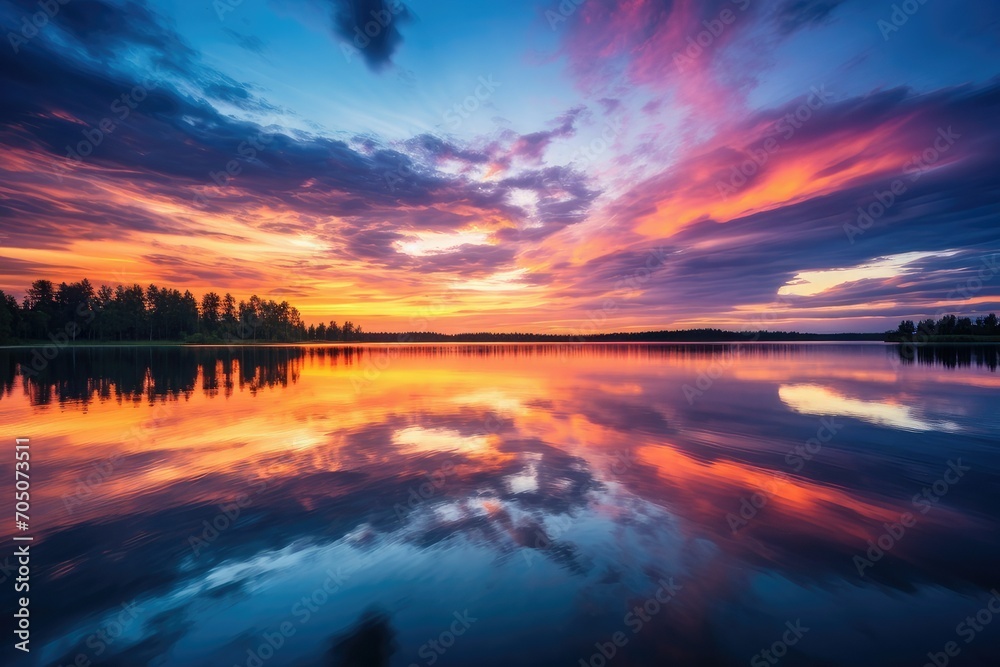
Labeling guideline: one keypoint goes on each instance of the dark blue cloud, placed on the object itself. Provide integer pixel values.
(371, 28)
(251, 43)
(792, 15)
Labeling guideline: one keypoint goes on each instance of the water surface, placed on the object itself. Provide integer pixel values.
(509, 504)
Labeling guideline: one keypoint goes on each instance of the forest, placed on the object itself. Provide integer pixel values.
(77, 312)
(948, 328)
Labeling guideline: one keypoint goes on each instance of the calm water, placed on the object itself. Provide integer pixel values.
(509, 505)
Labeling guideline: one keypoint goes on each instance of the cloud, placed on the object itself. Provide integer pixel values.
(732, 266)
(172, 150)
(439, 149)
(371, 27)
(207, 166)
(793, 15)
(251, 43)
(532, 146)
(100, 30)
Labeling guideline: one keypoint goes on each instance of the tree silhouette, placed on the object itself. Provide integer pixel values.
(131, 313)
(948, 327)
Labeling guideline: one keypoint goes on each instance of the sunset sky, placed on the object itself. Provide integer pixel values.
(513, 165)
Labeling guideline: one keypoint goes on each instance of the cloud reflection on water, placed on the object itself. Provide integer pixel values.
(575, 480)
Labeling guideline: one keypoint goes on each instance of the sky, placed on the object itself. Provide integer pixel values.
(573, 167)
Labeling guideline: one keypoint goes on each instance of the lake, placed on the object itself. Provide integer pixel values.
(731, 504)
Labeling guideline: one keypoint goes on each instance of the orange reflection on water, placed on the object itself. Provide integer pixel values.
(435, 468)
(385, 414)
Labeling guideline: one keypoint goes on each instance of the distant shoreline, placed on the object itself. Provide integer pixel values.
(273, 344)
(698, 337)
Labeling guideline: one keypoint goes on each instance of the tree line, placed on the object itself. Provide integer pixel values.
(949, 326)
(78, 312)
